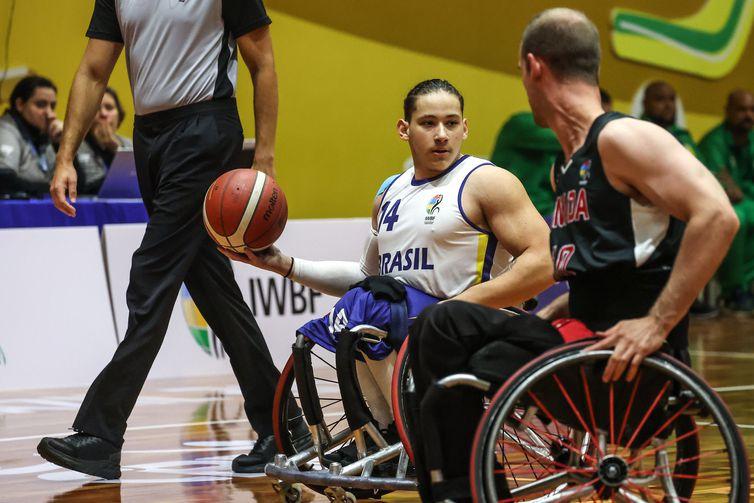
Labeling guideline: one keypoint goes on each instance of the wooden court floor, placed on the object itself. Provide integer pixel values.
(183, 434)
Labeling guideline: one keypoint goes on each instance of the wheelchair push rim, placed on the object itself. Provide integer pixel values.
(524, 447)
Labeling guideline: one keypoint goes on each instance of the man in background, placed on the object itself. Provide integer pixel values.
(728, 151)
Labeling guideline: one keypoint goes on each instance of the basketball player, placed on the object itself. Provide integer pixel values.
(181, 58)
(623, 187)
(453, 226)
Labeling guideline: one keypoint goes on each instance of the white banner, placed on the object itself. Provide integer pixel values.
(57, 322)
(279, 305)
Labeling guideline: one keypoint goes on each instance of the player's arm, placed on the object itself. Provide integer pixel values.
(329, 277)
(646, 163)
(83, 104)
(256, 50)
(509, 213)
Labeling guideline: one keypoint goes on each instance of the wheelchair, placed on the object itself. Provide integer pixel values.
(552, 432)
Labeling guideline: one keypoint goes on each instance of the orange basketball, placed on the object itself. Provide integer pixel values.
(245, 208)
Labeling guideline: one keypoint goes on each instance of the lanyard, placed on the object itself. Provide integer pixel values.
(41, 158)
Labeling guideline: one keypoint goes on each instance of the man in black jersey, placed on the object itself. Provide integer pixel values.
(182, 62)
(624, 188)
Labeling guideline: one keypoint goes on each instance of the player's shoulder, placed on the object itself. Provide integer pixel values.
(482, 169)
(387, 183)
(488, 179)
(628, 133)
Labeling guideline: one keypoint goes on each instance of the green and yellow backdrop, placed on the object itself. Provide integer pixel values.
(345, 65)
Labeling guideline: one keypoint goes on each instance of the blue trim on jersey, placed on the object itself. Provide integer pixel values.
(417, 183)
(384, 192)
(489, 257)
(460, 194)
(386, 184)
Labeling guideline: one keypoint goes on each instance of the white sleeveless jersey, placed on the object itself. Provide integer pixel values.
(425, 239)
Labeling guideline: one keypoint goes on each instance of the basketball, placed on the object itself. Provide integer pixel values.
(245, 208)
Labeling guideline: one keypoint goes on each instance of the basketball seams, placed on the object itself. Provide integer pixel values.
(273, 230)
(248, 216)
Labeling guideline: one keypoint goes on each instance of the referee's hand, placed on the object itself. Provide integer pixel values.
(64, 180)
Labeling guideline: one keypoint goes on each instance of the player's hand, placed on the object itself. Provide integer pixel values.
(633, 341)
(64, 180)
(269, 259)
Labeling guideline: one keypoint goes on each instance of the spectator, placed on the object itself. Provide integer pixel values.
(97, 151)
(606, 99)
(728, 151)
(660, 105)
(27, 129)
(528, 151)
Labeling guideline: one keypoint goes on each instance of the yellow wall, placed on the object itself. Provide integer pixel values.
(341, 91)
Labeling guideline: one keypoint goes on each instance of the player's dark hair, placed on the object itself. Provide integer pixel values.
(26, 87)
(605, 97)
(567, 41)
(118, 106)
(427, 87)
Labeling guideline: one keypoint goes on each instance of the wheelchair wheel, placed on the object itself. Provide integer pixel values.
(401, 385)
(555, 432)
(323, 366)
(330, 403)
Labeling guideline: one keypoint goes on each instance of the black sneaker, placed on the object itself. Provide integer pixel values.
(263, 452)
(82, 453)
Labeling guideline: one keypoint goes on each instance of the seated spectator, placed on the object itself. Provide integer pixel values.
(528, 151)
(660, 105)
(98, 149)
(728, 151)
(27, 129)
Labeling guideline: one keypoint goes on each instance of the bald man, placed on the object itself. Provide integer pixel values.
(660, 107)
(728, 151)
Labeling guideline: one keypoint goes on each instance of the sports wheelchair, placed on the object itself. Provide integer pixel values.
(552, 432)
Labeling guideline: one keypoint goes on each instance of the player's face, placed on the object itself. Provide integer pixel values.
(436, 131)
(39, 109)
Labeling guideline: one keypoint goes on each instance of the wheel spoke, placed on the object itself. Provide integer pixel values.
(648, 413)
(630, 406)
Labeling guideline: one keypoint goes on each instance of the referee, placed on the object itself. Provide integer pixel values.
(181, 57)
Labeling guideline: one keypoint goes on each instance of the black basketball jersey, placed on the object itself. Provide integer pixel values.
(615, 253)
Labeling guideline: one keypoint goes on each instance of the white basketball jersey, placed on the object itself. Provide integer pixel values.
(425, 239)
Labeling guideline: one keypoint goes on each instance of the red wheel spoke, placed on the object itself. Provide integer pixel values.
(643, 490)
(592, 436)
(612, 414)
(670, 442)
(630, 405)
(680, 462)
(550, 416)
(591, 459)
(649, 412)
(589, 404)
(666, 424)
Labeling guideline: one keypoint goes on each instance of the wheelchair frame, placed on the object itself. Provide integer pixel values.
(340, 483)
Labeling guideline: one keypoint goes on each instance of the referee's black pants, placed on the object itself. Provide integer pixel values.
(179, 153)
(459, 337)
